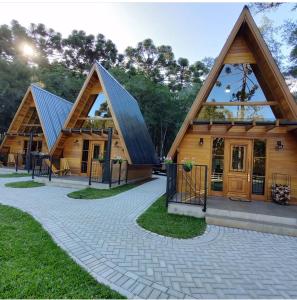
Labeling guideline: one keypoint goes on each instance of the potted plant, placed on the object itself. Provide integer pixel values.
(101, 159)
(188, 165)
(168, 161)
(117, 159)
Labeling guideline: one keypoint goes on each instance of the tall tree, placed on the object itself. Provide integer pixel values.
(15, 78)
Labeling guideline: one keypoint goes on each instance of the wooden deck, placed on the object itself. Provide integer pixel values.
(253, 207)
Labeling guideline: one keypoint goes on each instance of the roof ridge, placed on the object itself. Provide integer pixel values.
(116, 81)
(63, 99)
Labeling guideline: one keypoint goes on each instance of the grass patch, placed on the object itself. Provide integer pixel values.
(91, 193)
(33, 266)
(12, 175)
(24, 184)
(156, 219)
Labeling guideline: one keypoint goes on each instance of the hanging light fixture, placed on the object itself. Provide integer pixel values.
(228, 88)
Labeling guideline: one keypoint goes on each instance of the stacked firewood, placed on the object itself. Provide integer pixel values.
(281, 193)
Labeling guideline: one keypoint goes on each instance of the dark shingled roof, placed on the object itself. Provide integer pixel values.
(52, 111)
(129, 117)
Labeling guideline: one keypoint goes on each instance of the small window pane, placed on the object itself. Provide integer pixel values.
(96, 152)
(258, 179)
(238, 158)
(217, 164)
(259, 148)
(85, 154)
(236, 113)
(259, 166)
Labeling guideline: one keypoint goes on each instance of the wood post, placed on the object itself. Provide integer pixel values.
(28, 154)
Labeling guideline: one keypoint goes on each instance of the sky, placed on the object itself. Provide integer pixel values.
(194, 30)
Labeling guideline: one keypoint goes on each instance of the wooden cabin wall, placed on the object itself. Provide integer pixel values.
(16, 144)
(136, 173)
(117, 149)
(283, 161)
(72, 151)
(189, 149)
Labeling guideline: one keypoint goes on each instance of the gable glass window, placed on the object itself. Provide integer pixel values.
(217, 171)
(236, 83)
(99, 115)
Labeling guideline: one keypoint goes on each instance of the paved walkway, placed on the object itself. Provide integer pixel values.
(102, 236)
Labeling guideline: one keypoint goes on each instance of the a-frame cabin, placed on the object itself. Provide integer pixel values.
(104, 124)
(35, 126)
(243, 122)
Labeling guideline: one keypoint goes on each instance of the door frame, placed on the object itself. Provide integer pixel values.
(246, 171)
(223, 193)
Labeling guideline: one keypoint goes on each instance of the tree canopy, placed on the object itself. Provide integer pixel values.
(151, 73)
(165, 86)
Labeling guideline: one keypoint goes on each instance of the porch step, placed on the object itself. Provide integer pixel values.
(5, 171)
(250, 221)
(67, 183)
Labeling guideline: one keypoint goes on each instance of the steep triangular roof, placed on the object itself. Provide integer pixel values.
(52, 112)
(125, 112)
(245, 44)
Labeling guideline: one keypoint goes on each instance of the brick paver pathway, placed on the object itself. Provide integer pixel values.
(103, 237)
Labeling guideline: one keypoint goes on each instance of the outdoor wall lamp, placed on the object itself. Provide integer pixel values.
(279, 145)
(201, 141)
(76, 142)
(228, 88)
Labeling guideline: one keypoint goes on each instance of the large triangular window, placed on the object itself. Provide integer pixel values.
(236, 84)
(99, 115)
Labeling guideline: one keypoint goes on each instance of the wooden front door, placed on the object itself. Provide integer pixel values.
(96, 150)
(238, 168)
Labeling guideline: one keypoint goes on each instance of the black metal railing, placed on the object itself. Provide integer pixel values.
(41, 165)
(258, 185)
(187, 185)
(116, 173)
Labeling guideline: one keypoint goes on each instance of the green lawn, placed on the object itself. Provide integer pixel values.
(24, 184)
(33, 266)
(12, 175)
(91, 193)
(156, 219)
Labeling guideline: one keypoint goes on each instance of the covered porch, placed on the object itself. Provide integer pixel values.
(101, 173)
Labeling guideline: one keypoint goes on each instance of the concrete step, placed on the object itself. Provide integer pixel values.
(5, 171)
(67, 183)
(257, 222)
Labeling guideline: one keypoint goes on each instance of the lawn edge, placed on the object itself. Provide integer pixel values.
(165, 236)
(54, 238)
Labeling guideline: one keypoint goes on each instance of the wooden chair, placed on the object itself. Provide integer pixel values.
(55, 171)
(65, 166)
(10, 160)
